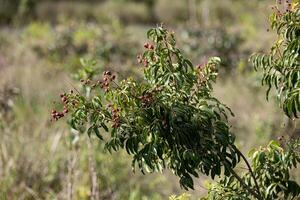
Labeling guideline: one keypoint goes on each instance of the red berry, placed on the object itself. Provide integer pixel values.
(107, 73)
(146, 63)
(64, 99)
(140, 58)
(146, 45)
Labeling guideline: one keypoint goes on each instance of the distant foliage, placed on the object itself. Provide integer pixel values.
(280, 67)
(20, 10)
(68, 40)
(214, 41)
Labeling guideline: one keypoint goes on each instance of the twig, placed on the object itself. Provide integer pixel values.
(250, 169)
(258, 196)
(245, 186)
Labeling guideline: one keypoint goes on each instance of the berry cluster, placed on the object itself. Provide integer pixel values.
(140, 58)
(288, 8)
(57, 115)
(108, 77)
(85, 82)
(147, 99)
(143, 60)
(64, 99)
(281, 138)
(148, 46)
(201, 75)
(115, 117)
(287, 2)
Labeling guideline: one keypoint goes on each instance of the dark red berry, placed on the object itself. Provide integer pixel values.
(146, 45)
(64, 99)
(107, 73)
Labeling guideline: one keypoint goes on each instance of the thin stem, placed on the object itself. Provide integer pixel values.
(116, 84)
(250, 169)
(245, 186)
(73, 87)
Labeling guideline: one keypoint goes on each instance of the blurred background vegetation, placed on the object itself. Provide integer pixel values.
(41, 43)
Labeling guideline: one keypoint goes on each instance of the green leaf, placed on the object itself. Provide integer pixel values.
(103, 125)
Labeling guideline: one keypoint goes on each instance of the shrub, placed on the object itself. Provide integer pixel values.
(171, 120)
